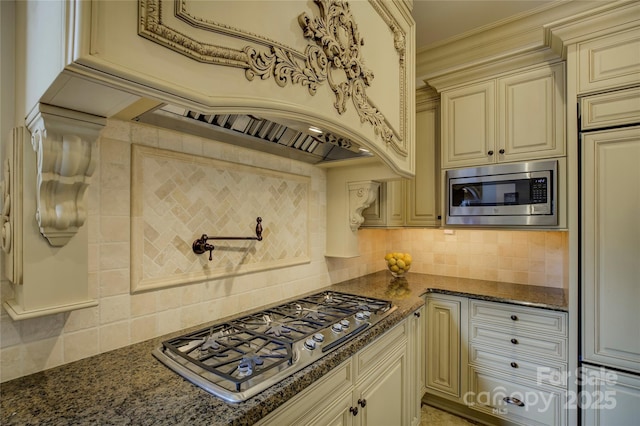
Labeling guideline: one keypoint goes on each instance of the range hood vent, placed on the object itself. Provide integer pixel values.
(293, 140)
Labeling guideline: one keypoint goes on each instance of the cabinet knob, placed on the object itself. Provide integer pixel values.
(362, 402)
(417, 314)
(354, 410)
(514, 341)
(513, 401)
(501, 151)
(514, 317)
(490, 153)
(514, 364)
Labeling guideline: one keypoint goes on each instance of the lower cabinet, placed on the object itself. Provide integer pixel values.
(374, 387)
(445, 334)
(497, 362)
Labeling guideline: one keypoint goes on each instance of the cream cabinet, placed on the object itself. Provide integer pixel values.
(388, 208)
(517, 116)
(611, 248)
(414, 202)
(446, 336)
(609, 397)
(609, 62)
(374, 387)
(518, 363)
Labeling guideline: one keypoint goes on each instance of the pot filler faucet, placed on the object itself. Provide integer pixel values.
(201, 245)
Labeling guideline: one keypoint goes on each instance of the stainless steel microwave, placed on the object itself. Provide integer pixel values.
(511, 194)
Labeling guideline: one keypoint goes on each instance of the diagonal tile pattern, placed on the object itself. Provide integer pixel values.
(182, 197)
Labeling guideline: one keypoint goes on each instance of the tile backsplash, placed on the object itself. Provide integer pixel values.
(123, 318)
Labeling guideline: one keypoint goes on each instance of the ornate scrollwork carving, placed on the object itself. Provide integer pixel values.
(336, 53)
(63, 141)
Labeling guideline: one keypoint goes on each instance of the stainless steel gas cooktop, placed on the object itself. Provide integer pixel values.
(236, 360)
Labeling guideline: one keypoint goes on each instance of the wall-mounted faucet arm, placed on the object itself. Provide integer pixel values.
(201, 245)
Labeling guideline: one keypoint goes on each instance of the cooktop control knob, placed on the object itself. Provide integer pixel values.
(337, 327)
(363, 315)
(318, 337)
(310, 344)
(345, 323)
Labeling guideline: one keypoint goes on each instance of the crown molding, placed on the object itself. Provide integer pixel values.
(505, 46)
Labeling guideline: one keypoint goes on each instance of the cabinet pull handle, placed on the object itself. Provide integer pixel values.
(501, 151)
(490, 152)
(514, 401)
(514, 341)
(514, 364)
(514, 317)
(362, 402)
(354, 410)
(417, 314)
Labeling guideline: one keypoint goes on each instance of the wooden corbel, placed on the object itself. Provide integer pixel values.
(361, 195)
(64, 141)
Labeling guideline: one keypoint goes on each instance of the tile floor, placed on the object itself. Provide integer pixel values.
(433, 417)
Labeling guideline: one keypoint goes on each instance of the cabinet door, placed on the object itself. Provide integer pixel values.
(609, 398)
(422, 208)
(443, 346)
(611, 248)
(468, 125)
(609, 62)
(381, 398)
(531, 114)
(387, 209)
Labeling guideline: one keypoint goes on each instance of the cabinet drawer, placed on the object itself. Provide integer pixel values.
(528, 404)
(610, 109)
(539, 371)
(519, 318)
(370, 357)
(519, 344)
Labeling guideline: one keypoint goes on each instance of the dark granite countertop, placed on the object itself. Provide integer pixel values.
(129, 386)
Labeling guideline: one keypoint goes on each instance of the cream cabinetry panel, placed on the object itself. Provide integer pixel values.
(518, 318)
(611, 248)
(518, 359)
(416, 361)
(497, 359)
(374, 387)
(518, 401)
(414, 202)
(327, 395)
(610, 397)
(610, 109)
(531, 114)
(422, 192)
(519, 116)
(468, 125)
(387, 209)
(609, 62)
(445, 339)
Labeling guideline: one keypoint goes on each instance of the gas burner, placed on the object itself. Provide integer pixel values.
(248, 363)
(314, 314)
(237, 359)
(275, 328)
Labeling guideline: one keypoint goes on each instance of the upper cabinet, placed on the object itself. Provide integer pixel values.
(609, 62)
(517, 116)
(413, 202)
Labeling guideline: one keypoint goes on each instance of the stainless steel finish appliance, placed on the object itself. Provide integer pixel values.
(235, 360)
(503, 195)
